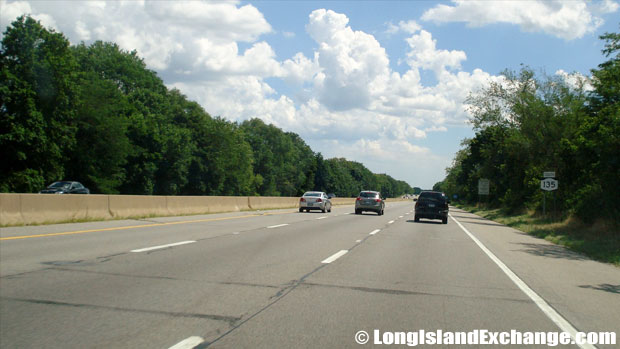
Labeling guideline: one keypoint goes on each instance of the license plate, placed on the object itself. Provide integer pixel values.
(309, 204)
(431, 205)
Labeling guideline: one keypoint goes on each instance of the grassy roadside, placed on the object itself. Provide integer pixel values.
(599, 241)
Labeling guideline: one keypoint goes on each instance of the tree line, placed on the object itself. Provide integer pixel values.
(96, 114)
(531, 123)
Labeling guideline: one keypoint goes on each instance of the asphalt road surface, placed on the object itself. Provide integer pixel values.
(284, 279)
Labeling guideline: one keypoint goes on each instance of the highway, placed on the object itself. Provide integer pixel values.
(284, 279)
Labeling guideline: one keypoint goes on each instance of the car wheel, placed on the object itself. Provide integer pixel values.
(416, 219)
(444, 220)
(358, 211)
(330, 209)
(323, 209)
(301, 210)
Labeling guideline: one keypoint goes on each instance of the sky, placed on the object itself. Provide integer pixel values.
(383, 83)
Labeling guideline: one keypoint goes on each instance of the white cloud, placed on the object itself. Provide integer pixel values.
(351, 61)
(607, 6)
(9, 11)
(163, 32)
(409, 27)
(300, 69)
(222, 20)
(576, 80)
(424, 54)
(565, 19)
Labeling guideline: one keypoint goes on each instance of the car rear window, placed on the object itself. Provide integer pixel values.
(367, 194)
(432, 196)
(312, 194)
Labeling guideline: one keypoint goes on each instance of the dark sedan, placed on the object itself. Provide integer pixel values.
(65, 187)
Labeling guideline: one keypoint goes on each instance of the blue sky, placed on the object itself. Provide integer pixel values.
(379, 82)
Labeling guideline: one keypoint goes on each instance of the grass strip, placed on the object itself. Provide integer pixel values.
(599, 241)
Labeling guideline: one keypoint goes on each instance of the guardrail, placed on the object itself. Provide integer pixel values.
(26, 209)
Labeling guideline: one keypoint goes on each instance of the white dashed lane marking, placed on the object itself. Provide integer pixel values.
(276, 226)
(163, 246)
(334, 256)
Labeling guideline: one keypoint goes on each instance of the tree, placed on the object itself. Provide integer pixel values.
(527, 124)
(283, 163)
(38, 94)
(102, 144)
(598, 140)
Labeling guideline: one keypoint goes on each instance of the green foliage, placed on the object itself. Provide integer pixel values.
(102, 144)
(38, 94)
(347, 178)
(526, 125)
(97, 115)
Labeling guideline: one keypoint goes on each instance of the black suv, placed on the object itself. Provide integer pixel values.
(432, 205)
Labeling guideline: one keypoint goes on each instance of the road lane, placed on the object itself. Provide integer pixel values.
(409, 276)
(221, 279)
(111, 238)
(583, 291)
(242, 283)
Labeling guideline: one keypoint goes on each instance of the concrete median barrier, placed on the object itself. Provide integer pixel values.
(123, 206)
(182, 205)
(10, 209)
(18, 209)
(25, 209)
(269, 202)
(343, 201)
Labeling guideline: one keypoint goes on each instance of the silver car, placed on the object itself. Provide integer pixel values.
(369, 201)
(315, 200)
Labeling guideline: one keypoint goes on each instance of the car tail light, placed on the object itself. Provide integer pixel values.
(319, 200)
(358, 199)
(302, 200)
(377, 200)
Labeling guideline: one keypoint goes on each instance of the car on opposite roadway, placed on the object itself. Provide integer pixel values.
(315, 200)
(431, 205)
(369, 200)
(65, 187)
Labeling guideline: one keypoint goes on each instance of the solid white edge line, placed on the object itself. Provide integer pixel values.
(561, 322)
(375, 231)
(334, 256)
(276, 226)
(322, 217)
(188, 343)
(163, 246)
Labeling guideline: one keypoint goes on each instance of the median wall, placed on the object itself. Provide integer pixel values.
(18, 209)
(25, 209)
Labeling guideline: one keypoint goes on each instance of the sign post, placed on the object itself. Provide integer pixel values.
(548, 184)
(483, 187)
